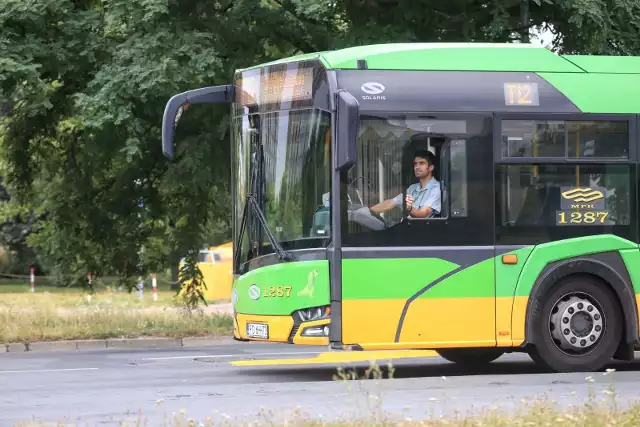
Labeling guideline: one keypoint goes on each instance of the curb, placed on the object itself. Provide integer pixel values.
(103, 344)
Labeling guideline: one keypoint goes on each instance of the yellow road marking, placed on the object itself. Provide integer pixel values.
(340, 357)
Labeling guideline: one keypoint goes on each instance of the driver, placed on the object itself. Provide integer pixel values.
(423, 197)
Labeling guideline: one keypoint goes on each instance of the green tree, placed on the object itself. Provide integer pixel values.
(83, 86)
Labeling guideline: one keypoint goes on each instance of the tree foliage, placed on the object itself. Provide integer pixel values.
(601, 27)
(83, 86)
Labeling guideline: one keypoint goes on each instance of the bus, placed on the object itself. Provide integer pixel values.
(521, 230)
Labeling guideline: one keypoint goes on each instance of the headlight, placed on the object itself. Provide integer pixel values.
(234, 297)
(316, 331)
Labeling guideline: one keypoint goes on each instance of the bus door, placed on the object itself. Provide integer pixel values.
(419, 282)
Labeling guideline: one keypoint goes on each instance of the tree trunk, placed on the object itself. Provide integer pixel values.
(524, 19)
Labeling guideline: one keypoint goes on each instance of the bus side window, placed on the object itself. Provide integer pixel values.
(457, 183)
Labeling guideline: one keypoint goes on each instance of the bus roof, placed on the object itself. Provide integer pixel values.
(595, 84)
(466, 57)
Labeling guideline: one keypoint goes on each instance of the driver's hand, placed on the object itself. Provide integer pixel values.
(409, 202)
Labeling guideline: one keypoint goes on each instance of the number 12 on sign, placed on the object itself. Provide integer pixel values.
(521, 94)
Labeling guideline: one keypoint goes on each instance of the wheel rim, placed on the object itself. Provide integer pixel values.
(577, 324)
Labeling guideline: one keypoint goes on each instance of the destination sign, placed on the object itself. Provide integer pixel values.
(524, 94)
(282, 85)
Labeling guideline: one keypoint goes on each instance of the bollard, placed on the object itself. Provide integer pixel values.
(33, 279)
(154, 283)
(89, 295)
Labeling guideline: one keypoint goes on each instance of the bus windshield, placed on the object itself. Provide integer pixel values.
(283, 158)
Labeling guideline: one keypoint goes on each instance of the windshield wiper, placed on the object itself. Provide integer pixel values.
(282, 254)
(250, 202)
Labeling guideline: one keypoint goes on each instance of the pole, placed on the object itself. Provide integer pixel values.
(154, 283)
(89, 295)
(33, 279)
(140, 288)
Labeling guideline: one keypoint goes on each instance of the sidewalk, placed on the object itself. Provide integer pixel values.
(142, 342)
(139, 343)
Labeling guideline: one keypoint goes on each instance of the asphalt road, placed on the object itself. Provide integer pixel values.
(106, 387)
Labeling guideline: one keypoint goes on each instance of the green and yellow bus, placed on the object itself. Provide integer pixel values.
(522, 234)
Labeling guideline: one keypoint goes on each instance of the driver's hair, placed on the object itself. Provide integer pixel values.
(427, 155)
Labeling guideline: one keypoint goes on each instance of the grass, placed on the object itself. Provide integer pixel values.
(51, 314)
(74, 298)
(18, 287)
(538, 412)
(535, 414)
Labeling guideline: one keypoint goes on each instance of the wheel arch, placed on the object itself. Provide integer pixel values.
(606, 266)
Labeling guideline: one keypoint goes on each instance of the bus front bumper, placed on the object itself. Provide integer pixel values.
(280, 329)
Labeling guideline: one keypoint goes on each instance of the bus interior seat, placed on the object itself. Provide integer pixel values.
(531, 209)
(551, 205)
(540, 206)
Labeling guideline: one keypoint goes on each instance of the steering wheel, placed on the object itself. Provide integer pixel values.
(351, 204)
(351, 186)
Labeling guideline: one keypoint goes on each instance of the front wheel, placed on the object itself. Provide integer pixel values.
(470, 356)
(579, 326)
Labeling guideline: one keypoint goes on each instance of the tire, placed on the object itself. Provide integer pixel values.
(592, 347)
(470, 356)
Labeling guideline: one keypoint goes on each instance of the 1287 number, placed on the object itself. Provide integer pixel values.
(581, 218)
(276, 291)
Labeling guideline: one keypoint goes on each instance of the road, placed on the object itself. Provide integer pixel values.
(105, 387)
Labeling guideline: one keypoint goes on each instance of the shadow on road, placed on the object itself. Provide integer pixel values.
(404, 369)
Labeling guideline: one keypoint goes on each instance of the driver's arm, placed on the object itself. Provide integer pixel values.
(431, 204)
(386, 205)
(420, 213)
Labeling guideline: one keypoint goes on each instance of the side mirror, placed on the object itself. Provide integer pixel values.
(348, 127)
(179, 103)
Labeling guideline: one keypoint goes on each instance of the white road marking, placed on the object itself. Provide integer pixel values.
(27, 371)
(209, 356)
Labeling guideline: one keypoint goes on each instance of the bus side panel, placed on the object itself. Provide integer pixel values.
(631, 258)
(419, 302)
(507, 276)
(440, 317)
(550, 252)
(375, 292)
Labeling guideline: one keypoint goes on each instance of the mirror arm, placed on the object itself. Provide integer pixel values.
(205, 95)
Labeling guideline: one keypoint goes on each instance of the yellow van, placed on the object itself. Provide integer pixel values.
(216, 265)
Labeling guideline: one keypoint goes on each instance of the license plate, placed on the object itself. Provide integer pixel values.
(257, 330)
